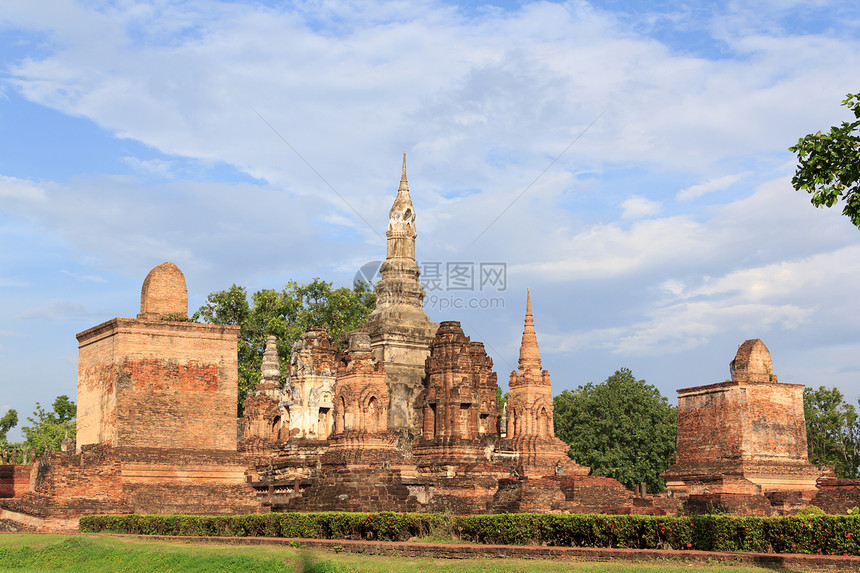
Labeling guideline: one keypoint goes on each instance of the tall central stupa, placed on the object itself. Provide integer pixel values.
(400, 331)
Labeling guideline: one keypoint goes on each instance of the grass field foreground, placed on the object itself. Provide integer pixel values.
(107, 554)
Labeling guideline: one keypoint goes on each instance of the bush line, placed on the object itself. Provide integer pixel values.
(817, 534)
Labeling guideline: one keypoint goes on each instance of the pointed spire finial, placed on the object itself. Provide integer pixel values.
(402, 214)
(403, 184)
(529, 351)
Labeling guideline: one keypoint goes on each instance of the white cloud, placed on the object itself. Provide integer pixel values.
(483, 103)
(679, 327)
(637, 207)
(771, 224)
(610, 250)
(766, 264)
(56, 310)
(709, 186)
(516, 85)
(675, 328)
(159, 167)
(84, 277)
(12, 188)
(786, 278)
(217, 233)
(754, 300)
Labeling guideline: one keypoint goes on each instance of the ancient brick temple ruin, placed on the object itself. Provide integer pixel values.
(400, 414)
(156, 426)
(406, 415)
(742, 444)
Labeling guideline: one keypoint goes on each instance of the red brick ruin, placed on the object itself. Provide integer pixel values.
(742, 443)
(156, 426)
(403, 417)
(530, 427)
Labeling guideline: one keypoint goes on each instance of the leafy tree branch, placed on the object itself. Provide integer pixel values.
(829, 164)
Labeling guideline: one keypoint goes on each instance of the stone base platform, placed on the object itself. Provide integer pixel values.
(563, 494)
(103, 479)
(837, 496)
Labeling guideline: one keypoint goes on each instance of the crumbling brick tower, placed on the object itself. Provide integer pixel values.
(309, 390)
(454, 455)
(742, 443)
(361, 396)
(158, 380)
(530, 428)
(487, 383)
(456, 371)
(301, 408)
(265, 419)
(361, 470)
(400, 331)
(361, 408)
(156, 412)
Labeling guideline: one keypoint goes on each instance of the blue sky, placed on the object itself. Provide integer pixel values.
(626, 161)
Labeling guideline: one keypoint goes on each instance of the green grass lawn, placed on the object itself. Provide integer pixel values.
(106, 554)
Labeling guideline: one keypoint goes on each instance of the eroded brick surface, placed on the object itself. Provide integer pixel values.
(144, 382)
(14, 479)
(530, 430)
(743, 440)
(404, 417)
(163, 293)
(156, 426)
(838, 495)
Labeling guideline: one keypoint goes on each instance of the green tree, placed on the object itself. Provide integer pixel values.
(501, 399)
(829, 164)
(832, 430)
(47, 429)
(623, 428)
(286, 314)
(7, 422)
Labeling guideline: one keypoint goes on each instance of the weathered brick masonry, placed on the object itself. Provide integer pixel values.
(416, 422)
(156, 418)
(742, 443)
(837, 495)
(152, 381)
(403, 417)
(14, 480)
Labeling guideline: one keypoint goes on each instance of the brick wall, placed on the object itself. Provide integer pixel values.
(709, 424)
(354, 489)
(104, 479)
(97, 378)
(68, 485)
(732, 420)
(14, 480)
(155, 383)
(776, 422)
(838, 495)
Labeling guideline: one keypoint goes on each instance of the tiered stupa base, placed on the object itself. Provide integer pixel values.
(544, 456)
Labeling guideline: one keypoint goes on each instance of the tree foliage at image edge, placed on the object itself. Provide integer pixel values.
(829, 164)
(832, 431)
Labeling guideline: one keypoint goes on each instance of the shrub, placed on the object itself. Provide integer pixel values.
(811, 510)
(813, 533)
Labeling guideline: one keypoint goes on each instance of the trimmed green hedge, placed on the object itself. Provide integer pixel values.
(824, 534)
(387, 526)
